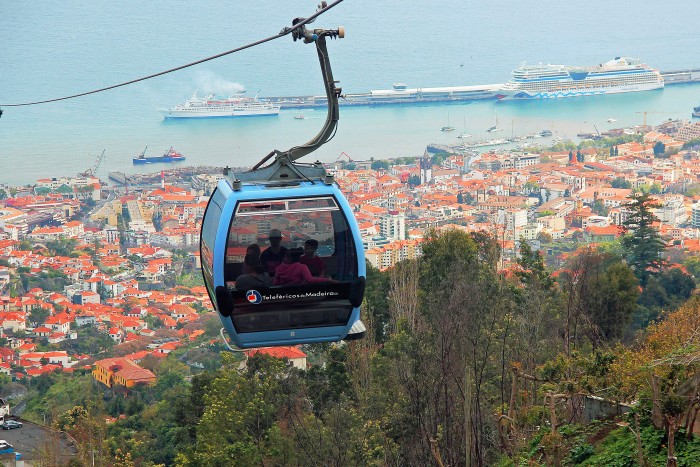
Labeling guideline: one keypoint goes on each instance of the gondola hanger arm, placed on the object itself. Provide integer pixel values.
(318, 37)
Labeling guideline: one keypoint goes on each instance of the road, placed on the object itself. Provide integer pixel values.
(35, 441)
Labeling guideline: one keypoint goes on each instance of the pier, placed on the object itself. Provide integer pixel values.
(401, 95)
(681, 76)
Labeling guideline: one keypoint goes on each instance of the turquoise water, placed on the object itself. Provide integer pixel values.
(51, 49)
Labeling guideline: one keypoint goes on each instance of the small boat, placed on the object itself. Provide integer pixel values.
(696, 112)
(170, 155)
(544, 133)
(464, 134)
(611, 120)
(299, 117)
(495, 128)
(448, 127)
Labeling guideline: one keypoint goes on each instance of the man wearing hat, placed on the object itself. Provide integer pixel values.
(273, 256)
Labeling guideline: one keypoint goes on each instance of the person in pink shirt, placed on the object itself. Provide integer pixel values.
(292, 272)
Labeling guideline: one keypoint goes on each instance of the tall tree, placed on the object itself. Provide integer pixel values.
(659, 149)
(642, 243)
(615, 295)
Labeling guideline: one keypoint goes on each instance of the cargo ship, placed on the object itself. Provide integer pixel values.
(622, 74)
(170, 155)
(209, 106)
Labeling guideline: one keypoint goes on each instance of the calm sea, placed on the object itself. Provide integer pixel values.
(50, 49)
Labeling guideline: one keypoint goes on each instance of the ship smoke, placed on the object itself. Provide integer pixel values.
(211, 83)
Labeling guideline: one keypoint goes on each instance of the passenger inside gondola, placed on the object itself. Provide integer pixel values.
(311, 260)
(292, 272)
(274, 254)
(253, 249)
(255, 277)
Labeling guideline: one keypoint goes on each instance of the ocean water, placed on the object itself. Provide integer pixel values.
(51, 49)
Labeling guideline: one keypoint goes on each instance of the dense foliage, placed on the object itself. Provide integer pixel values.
(463, 364)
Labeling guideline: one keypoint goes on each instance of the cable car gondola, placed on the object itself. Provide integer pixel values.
(286, 204)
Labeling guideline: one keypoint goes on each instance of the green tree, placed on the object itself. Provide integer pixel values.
(659, 149)
(621, 182)
(38, 315)
(414, 180)
(692, 264)
(642, 243)
(63, 246)
(599, 208)
(616, 294)
(531, 187)
(376, 301)
(240, 412)
(380, 165)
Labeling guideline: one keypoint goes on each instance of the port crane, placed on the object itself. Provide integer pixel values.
(350, 159)
(93, 170)
(645, 112)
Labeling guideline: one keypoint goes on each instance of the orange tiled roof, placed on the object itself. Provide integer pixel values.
(278, 352)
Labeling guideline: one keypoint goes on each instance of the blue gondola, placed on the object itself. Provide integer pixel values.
(287, 204)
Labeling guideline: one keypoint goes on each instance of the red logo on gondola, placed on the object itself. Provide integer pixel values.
(253, 297)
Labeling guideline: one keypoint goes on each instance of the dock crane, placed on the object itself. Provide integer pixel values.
(350, 159)
(647, 112)
(93, 170)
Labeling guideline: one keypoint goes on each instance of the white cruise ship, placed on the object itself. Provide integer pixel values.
(623, 74)
(235, 106)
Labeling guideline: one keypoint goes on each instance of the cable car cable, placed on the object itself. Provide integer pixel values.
(285, 31)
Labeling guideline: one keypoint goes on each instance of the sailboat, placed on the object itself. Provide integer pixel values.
(495, 128)
(447, 127)
(464, 134)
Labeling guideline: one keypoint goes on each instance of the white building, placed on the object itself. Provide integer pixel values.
(696, 215)
(529, 231)
(393, 225)
(673, 211)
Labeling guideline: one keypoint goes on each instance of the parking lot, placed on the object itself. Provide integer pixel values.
(35, 441)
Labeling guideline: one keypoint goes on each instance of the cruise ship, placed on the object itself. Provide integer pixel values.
(209, 106)
(622, 74)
